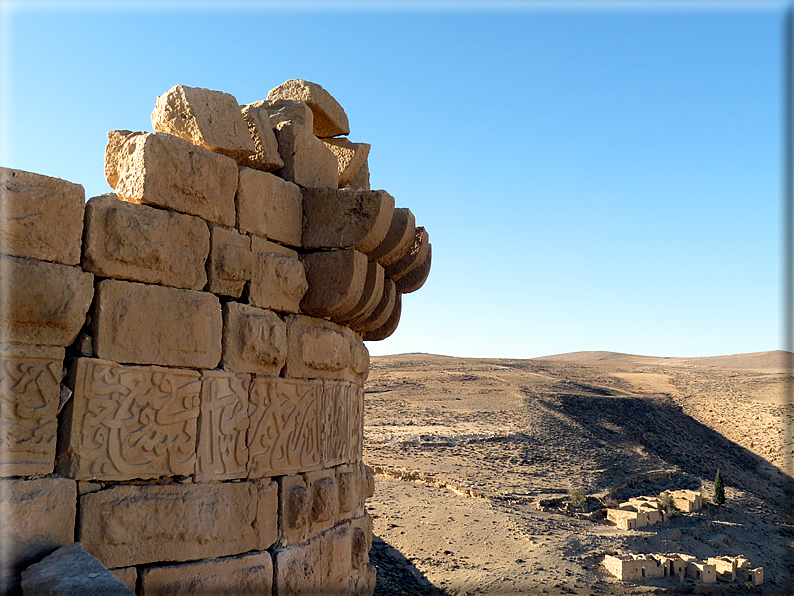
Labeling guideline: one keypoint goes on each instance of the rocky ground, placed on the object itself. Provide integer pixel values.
(464, 449)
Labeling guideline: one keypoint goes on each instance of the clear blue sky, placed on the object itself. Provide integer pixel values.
(593, 176)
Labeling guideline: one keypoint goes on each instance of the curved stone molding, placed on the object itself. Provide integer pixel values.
(336, 281)
(398, 239)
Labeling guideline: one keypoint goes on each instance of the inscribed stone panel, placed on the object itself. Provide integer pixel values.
(286, 426)
(355, 420)
(126, 422)
(30, 383)
(223, 422)
(336, 409)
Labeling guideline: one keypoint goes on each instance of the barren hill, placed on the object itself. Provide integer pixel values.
(498, 434)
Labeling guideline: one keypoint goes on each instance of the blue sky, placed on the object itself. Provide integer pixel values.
(593, 175)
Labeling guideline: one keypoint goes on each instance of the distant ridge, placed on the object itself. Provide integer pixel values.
(774, 360)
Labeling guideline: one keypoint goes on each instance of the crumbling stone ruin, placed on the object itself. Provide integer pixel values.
(183, 360)
(648, 511)
(635, 568)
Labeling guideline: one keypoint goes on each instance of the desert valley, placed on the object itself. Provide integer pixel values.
(475, 460)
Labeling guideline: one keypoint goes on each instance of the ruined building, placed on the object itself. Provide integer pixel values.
(183, 360)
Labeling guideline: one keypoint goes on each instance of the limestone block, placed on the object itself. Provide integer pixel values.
(338, 550)
(398, 240)
(244, 575)
(330, 119)
(382, 311)
(317, 349)
(369, 481)
(127, 576)
(355, 424)
(337, 396)
(166, 171)
(295, 502)
(370, 297)
(278, 280)
(346, 219)
(269, 206)
(324, 500)
(307, 161)
(413, 258)
(46, 303)
(254, 340)
(361, 529)
(143, 324)
(390, 325)
(288, 110)
(210, 119)
(222, 449)
(231, 262)
(359, 356)
(349, 483)
(137, 524)
(127, 422)
(266, 157)
(361, 180)
(266, 524)
(416, 278)
(139, 243)
(286, 426)
(296, 569)
(41, 218)
(37, 517)
(70, 570)
(350, 157)
(30, 389)
(336, 281)
(363, 582)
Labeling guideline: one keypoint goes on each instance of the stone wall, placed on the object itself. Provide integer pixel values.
(183, 361)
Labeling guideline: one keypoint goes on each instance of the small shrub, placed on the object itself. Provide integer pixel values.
(577, 499)
(668, 504)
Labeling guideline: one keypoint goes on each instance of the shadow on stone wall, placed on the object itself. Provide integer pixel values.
(397, 576)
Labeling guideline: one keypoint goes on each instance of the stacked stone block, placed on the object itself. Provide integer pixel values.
(183, 360)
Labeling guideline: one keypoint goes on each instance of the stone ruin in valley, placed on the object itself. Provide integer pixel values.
(183, 361)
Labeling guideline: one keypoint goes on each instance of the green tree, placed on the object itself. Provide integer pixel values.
(719, 489)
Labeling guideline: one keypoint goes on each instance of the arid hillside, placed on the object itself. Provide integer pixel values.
(485, 439)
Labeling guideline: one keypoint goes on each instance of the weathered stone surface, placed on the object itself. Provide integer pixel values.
(330, 119)
(370, 297)
(296, 569)
(278, 281)
(288, 110)
(127, 422)
(286, 426)
(295, 502)
(38, 516)
(307, 161)
(336, 282)
(266, 157)
(363, 581)
(337, 396)
(416, 278)
(137, 524)
(244, 575)
(139, 243)
(346, 219)
(349, 483)
(70, 570)
(166, 171)
(324, 500)
(231, 262)
(127, 576)
(318, 349)
(30, 387)
(361, 529)
(337, 553)
(210, 119)
(361, 180)
(369, 481)
(254, 340)
(350, 157)
(46, 303)
(269, 206)
(142, 324)
(42, 217)
(413, 258)
(390, 325)
(398, 240)
(382, 311)
(222, 448)
(355, 422)
(266, 524)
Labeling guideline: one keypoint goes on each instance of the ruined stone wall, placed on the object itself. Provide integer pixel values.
(182, 364)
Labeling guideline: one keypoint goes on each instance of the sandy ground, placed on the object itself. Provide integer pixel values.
(465, 448)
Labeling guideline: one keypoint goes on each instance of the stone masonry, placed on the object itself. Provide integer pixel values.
(183, 360)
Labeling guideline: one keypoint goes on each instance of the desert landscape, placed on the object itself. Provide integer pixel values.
(465, 449)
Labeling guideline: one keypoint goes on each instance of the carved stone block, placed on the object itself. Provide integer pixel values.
(127, 575)
(244, 575)
(355, 423)
(317, 349)
(269, 206)
(413, 258)
(361, 180)
(222, 449)
(139, 243)
(295, 502)
(416, 278)
(361, 528)
(296, 569)
(324, 498)
(278, 279)
(45, 303)
(266, 157)
(30, 389)
(138, 524)
(126, 422)
(231, 262)
(348, 481)
(145, 324)
(286, 426)
(336, 281)
(337, 396)
(42, 217)
(398, 240)
(337, 550)
(254, 340)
